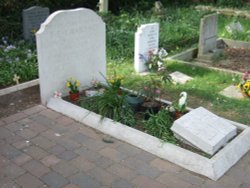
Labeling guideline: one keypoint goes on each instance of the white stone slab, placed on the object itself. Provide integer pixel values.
(33, 17)
(70, 43)
(179, 77)
(213, 168)
(146, 40)
(208, 34)
(204, 130)
(232, 92)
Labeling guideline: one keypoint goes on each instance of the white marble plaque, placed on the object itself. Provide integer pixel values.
(70, 43)
(204, 130)
(146, 40)
(180, 78)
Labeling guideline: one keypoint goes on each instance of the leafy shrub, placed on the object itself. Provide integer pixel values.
(231, 3)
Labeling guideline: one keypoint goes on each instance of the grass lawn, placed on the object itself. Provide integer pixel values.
(203, 90)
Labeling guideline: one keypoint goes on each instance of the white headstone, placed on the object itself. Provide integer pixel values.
(32, 19)
(234, 27)
(204, 130)
(208, 34)
(180, 78)
(103, 6)
(70, 43)
(146, 40)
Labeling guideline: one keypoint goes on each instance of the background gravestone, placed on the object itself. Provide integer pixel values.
(70, 43)
(208, 34)
(146, 39)
(32, 19)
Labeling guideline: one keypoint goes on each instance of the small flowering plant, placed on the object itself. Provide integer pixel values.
(245, 84)
(151, 89)
(155, 59)
(115, 81)
(73, 85)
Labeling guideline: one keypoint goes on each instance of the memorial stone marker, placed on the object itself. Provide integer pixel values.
(180, 78)
(208, 34)
(146, 40)
(204, 130)
(70, 43)
(32, 19)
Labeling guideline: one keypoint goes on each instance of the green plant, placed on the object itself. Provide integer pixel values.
(159, 125)
(151, 89)
(114, 81)
(245, 84)
(73, 85)
(231, 3)
(110, 105)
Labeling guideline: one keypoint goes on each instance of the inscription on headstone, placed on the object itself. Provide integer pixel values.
(146, 40)
(208, 34)
(70, 43)
(32, 19)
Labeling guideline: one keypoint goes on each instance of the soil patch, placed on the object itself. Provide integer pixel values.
(20, 100)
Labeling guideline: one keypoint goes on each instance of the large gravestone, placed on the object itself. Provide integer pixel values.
(32, 19)
(208, 34)
(70, 43)
(204, 130)
(146, 40)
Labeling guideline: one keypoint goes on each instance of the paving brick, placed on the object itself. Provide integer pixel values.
(9, 151)
(3, 161)
(11, 171)
(68, 144)
(104, 177)
(5, 133)
(228, 181)
(82, 163)
(122, 184)
(90, 155)
(112, 154)
(37, 127)
(36, 168)
(50, 160)
(65, 169)
(213, 184)
(8, 184)
(15, 126)
(141, 167)
(15, 117)
(146, 182)
(34, 109)
(244, 185)
(56, 149)
(42, 142)
(145, 156)
(21, 159)
(88, 131)
(54, 180)
(51, 135)
(122, 171)
(2, 123)
(67, 155)
(63, 120)
(192, 178)
(83, 180)
(71, 186)
(22, 144)
(36, 152)
(171, 180)
(165, 166)
(103, 162)
(50, 114)
(80, 138)
(128, 149)
(13, 138)
(26, 133)
(27, 180)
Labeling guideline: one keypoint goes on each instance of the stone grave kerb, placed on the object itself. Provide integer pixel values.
(70, 43)
(32, 18)
(208, 34)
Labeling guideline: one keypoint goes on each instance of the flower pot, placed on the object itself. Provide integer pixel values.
(74, 96)
(134, 101)
(150, 107)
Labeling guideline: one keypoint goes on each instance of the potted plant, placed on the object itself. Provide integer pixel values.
(134, 101)
(73, 85)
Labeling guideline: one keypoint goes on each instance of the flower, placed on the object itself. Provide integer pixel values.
(245, 84)
(151, 89)
(73, 85)
(57, 94)
(115, 81)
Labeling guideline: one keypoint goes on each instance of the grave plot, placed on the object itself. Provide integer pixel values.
(72, 43)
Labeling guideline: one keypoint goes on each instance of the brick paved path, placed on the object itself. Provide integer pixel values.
(42, 148)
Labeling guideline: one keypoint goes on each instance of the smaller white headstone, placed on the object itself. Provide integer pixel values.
(204, 130)
(180, 78)
(146, 40)
(33, 17)
(232, 92)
